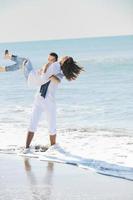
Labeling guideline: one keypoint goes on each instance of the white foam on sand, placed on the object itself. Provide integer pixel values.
(68, 153)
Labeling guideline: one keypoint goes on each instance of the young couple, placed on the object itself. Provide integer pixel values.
(47, 79)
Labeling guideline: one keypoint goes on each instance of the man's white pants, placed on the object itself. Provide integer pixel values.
(47, 107)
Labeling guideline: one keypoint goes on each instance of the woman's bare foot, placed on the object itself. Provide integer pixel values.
(7, 54)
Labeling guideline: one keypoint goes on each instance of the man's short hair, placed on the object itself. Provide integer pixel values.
(54, 55)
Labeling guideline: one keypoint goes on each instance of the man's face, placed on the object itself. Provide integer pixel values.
(51, 59)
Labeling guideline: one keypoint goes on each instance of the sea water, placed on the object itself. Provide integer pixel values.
(94, 113)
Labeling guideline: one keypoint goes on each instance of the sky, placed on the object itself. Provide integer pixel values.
(29, 20)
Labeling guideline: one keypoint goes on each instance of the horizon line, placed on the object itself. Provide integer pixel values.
(59, 39)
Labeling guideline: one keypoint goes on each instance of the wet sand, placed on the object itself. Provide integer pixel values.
(28, 178)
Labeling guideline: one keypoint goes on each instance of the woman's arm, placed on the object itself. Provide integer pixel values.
(55, 79)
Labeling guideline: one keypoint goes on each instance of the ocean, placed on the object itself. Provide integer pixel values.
(94, 113)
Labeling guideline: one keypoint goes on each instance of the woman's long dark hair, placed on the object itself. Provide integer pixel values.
(71, 69)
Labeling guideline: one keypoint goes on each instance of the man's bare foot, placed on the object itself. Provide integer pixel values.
(52, 139)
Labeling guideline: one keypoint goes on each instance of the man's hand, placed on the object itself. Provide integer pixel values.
(42, 70)
(2, 69)
(54, 79)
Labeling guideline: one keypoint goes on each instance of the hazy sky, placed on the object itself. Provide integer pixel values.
(24, 20)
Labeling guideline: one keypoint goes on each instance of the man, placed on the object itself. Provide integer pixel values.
(44, 102)
(45, 99)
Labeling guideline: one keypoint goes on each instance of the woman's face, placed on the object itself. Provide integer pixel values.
(63, 59)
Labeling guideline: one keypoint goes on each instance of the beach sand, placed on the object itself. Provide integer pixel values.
(30, 179)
